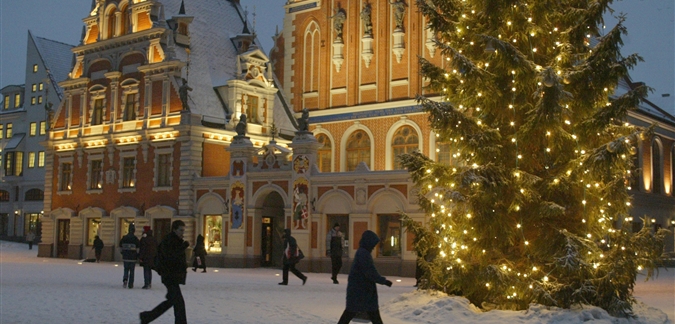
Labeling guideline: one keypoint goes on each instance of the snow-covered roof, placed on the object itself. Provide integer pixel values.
(56, 56)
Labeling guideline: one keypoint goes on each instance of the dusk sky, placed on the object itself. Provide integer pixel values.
(650, 23)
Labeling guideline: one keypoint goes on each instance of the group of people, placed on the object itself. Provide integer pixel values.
(168, 259)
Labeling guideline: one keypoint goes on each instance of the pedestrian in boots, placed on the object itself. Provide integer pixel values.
(129, 244)
(291, 258)
(335, 241)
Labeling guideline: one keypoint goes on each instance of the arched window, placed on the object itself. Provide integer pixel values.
(657, 170)
(111, 25)
(312, 43)
(443, 153)
(358, 150)
(124, 20)
(34, 195)
(404, 141)
(324, 154)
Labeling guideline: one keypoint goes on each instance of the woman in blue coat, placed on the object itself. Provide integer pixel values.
(361, 289)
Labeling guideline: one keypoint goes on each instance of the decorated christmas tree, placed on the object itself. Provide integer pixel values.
(534, 207)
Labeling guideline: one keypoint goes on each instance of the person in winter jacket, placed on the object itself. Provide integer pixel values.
(129, 244)
(199, 252)
(335, 241)
(361, 289)
(98, 247)
(30, 238)
(147, 254)
(172, 267)
(290, 258)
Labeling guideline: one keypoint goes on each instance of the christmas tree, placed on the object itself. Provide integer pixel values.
(535, 206)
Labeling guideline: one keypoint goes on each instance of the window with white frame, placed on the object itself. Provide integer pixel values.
(43, 128)
(97, 104)
(130, 100)
(324, 153)
(41, 159)
(31, 159)
(163, 167)
(128, 172)
(404, 141)
(33, 129)
(95, 178)
(97, 112)
(65, 176)
(358, 149)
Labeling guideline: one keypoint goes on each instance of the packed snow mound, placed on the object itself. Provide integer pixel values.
(436, 307)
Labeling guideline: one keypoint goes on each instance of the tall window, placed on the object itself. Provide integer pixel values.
(32, 100)
(35, 68)
(164, 170)
(128, 172)
(358, 149)
(42, 86)
(404, 141)
(443, 153)
(2, 131)
(65, 177)
(390, 235)
(657, 173)
(9, 163)
(17, 100)
(93, 229)
(14, 163)
(130, 107)
(324, 154)
(33, 129)
(4, 195)
(97, 114)
(32, 223)
(39, 99)
(252, 110)
(213, 233)
(6, 103)
(43, 128)
(96, 175)
(9, 131)
(31, 159)
(34, 87)
(41, 159)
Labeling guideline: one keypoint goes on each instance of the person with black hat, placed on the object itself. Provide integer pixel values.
(334, 242)
(129, 244)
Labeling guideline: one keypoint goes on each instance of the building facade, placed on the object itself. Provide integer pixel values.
(151, 130)
(23, 127)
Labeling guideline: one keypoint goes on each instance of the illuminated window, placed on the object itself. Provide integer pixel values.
(93, 230)
(65, 179)
(6, 104)
(32, 223)
(31, 159)
(9, 131)
(35, 68)
(213, 233)
(33, 129)
(41, 159)
(657, 170)
(96, 175)
(124, 226)
(324, 154)
(2, 131)
(128, 172)
(390, 235)
(42, 86)
(43, 128)
(97, 114)
(252, 110)
(33, 88)
(14, 163)
(17, 100)
(358, 150)
(39, 99)
(404, 141)
(32, 100)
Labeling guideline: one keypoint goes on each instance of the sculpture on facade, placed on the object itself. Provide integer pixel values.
(183, 92)
(241, 126)
(367, 20)
(303, 121)
(338, 22)
(399, 12)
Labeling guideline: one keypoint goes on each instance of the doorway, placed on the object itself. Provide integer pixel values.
(63, 238)
(162, 228)
(272, 230)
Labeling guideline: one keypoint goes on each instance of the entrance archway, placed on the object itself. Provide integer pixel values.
(272, 229)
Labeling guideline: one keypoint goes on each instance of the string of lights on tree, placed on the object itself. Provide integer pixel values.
(535, 206)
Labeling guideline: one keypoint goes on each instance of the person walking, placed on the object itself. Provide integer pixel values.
(335, 241)
(290, 258)
(146, 256)
(199, 252)
(98, 247)
(361, 289)
(129, 244)
(172, 267)
(30, 238)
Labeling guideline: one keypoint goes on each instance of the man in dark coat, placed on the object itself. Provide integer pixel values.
(173, 269)
(129, 244)
(290, 258)
(98, 248)
(147, 255)
(335, 240)
(199, 253)
(361, 289)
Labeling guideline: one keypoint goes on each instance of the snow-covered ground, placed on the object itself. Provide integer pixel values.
(45, 290)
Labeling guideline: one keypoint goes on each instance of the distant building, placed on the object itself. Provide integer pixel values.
(151, 130)
(23, 126)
